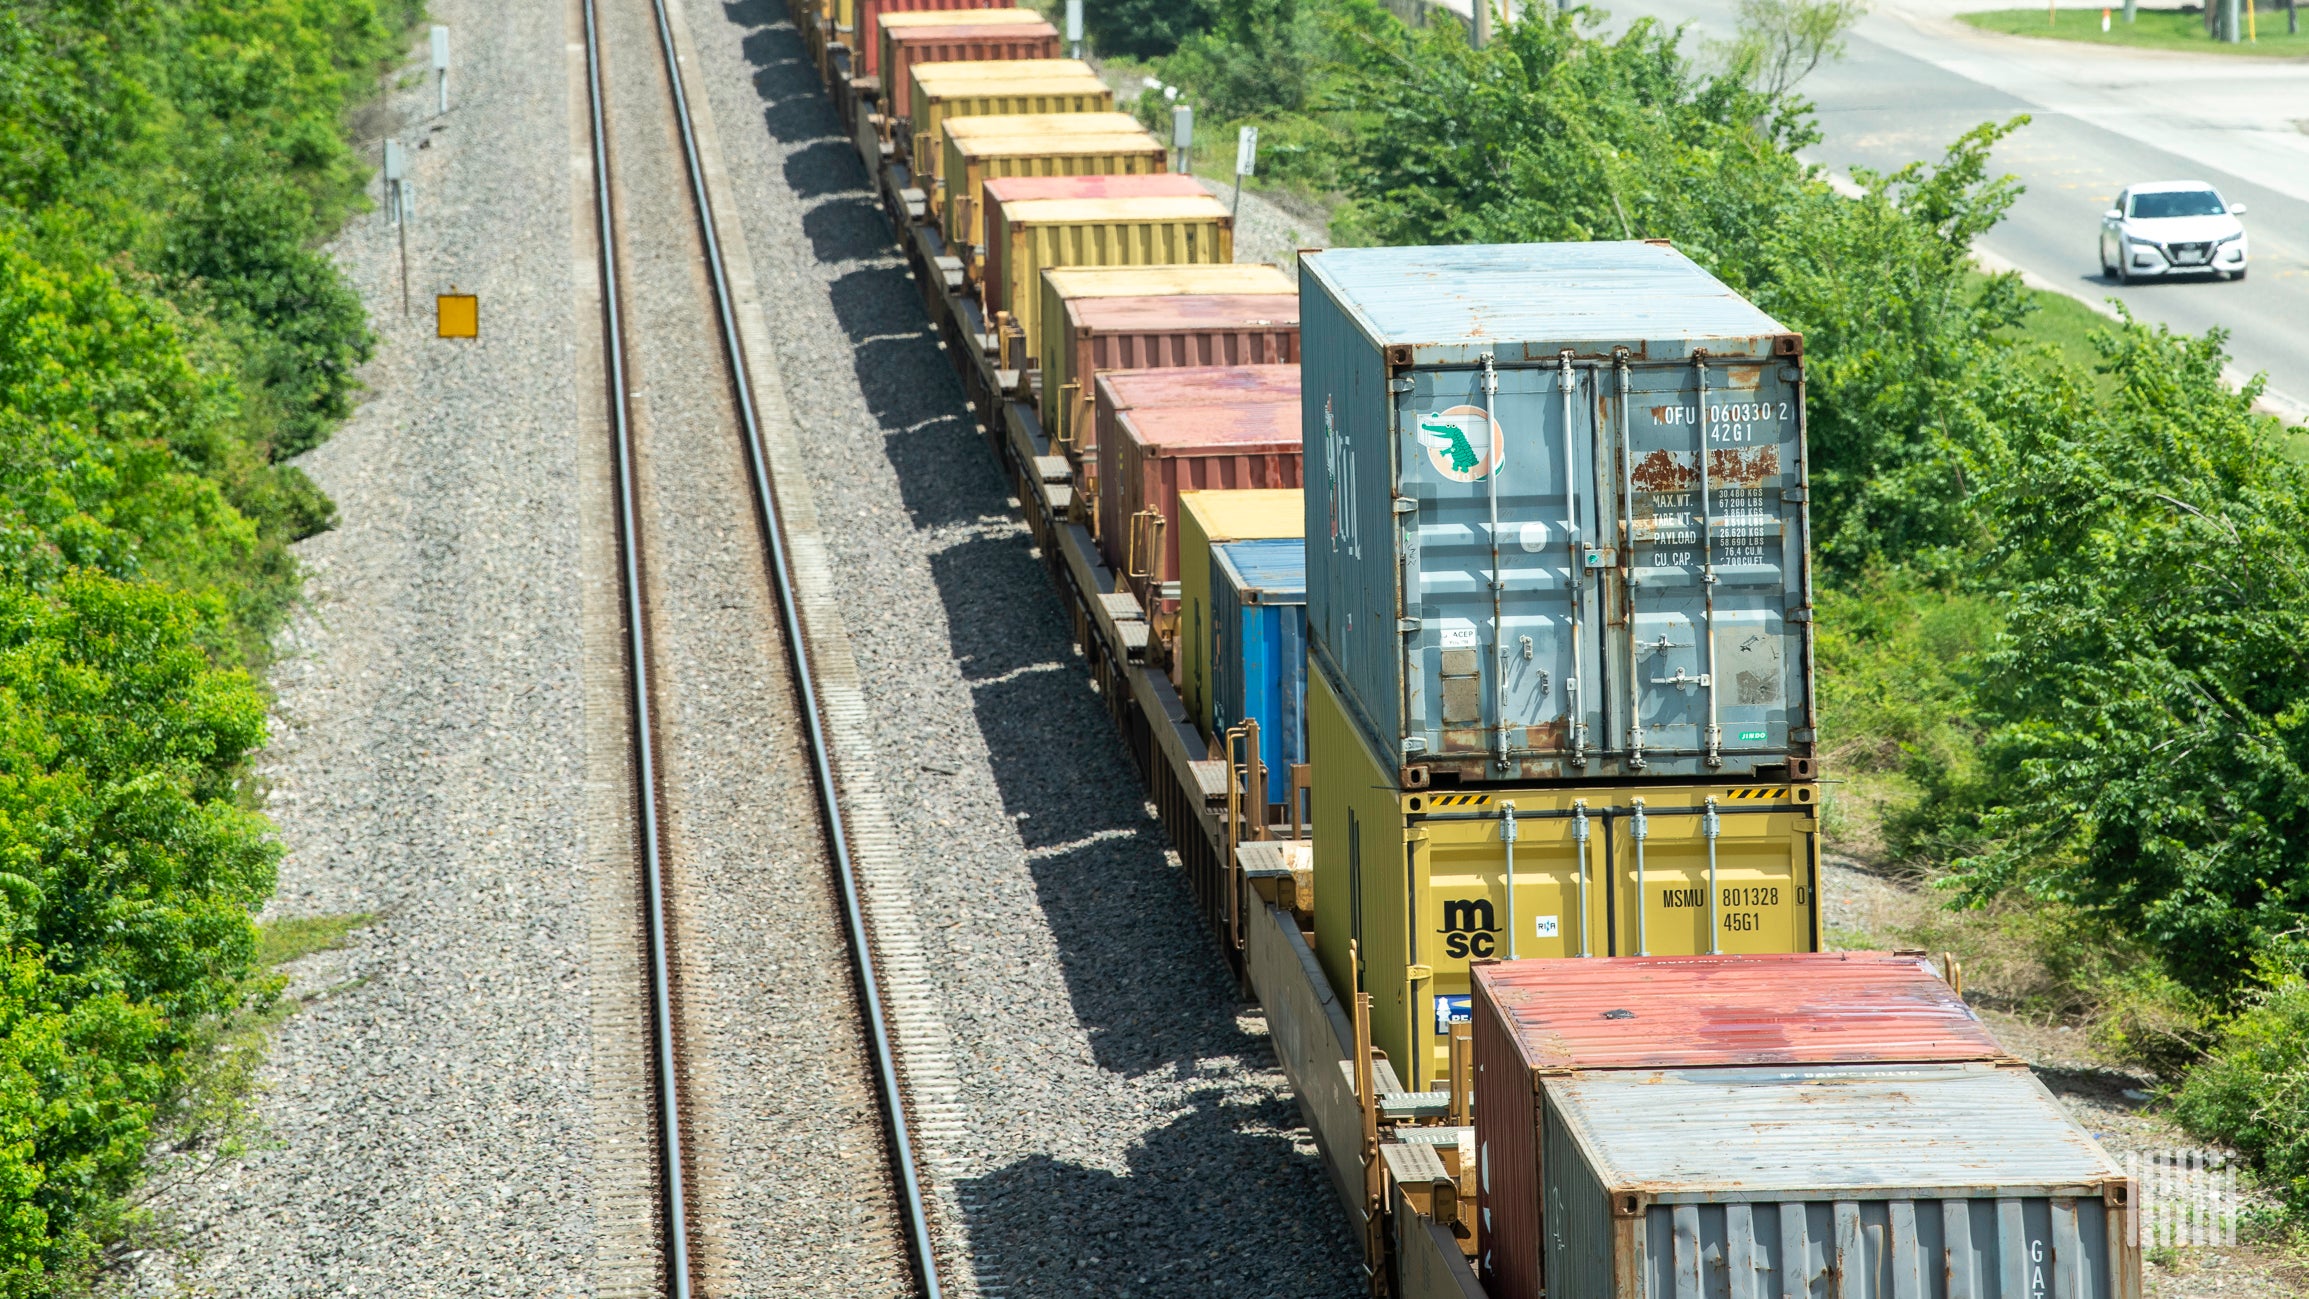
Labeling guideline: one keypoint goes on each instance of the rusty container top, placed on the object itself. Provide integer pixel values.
(966, 36)
(1158, 452)
(1669, 1012)
(1116, 391)
(872, 12)
(1158, 333)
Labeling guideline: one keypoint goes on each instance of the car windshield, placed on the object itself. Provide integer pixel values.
(2178, 203)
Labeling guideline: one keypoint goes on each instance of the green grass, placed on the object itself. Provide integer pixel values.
(282, 941)
(2151, 29)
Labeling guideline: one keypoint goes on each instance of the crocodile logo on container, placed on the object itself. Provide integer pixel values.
(1463, 443)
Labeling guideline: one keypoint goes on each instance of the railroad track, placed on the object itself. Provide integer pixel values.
(819, 716)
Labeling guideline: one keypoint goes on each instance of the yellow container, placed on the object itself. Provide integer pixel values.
(937, 92)
(979, 149)
(1040, 235)
(916, 19)
(1419, 878)
(1064, 285)
(1251, 514)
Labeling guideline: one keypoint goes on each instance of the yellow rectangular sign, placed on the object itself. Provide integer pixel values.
(459, 315)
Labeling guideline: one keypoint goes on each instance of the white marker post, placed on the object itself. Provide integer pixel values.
(400, 205)
(1183, 137)
(441, 67)
(1246, 157)
(1074, 28)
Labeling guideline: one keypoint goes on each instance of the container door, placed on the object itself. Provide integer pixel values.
(1495, 673)
(1711, 673)
(1756, 898)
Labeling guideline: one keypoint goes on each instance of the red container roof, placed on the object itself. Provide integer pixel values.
(1202, 385)
(1167, 313)
(1162, 184)
(1230, 429)
(1670, 1012)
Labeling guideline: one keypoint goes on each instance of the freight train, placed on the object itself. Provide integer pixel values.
(1456, 604)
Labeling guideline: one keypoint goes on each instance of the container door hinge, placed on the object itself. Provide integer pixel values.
(1797, 494)
(1799, 615)
(1802, 735)
(1406, 505)
(1399, 385)
(1407, 624)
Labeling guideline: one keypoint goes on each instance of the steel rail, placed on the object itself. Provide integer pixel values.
(637, 676)
(805, 679)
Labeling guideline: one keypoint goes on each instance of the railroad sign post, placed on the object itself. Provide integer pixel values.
(1074, 29)
(456, 315)
(441, 67)
(400, 205)
(1246, 157)
(1183, 136)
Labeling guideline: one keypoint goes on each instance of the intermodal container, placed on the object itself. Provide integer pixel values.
(1117, 391)
(1559, 522)
(1210, 279)
(937, 92)
(951, 36)
(1025, 237)
(1149, 333)
(1157, 453)
(1259, 648)
(1865, 1181)
(1029, 148)
(1421, 878)
(1537, 1019)
(873, 12)
(1207, 519)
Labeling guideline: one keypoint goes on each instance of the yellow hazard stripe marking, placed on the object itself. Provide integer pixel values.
(1458, 800)
(1750, 793)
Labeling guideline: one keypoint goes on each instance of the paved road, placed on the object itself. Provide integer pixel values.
(1914, 80)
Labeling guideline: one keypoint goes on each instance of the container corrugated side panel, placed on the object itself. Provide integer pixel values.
(1206, 518)
(870, 21)
(1507, 1141)
(1151, 333)
(1662, 1012)
(1120, 390)
(971, 162)
(929, 26)
(1005, 198)
(1259, 647)
(974, 44)
(1161, 452)
(938, 91)
(1577, 1227)
(1041, 234)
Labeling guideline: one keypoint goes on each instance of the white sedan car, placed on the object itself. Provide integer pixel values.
(2172, 227)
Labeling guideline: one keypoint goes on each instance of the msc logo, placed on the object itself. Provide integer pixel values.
(1468, 928)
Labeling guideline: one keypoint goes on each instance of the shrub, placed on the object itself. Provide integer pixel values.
(2253, 1091)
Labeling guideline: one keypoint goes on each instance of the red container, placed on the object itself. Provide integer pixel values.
(1201, 385)
(1021, 189)
(1157, 453)
(870, 22)
(972, 43)
(1538, 1018)
(1165, 332)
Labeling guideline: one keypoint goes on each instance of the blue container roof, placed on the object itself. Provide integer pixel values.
(1274, 566)
(1542, 294)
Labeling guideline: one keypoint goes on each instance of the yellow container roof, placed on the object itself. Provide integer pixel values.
(1044, 124)
(1063, 211)
(1027, 146)
(1052, 70)
(1249, 514)
(1167, 281)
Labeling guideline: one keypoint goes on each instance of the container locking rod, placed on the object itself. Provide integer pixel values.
(1577, 586)
(1492, 431)
(1579, 837)
(1627, 568)
(1715, 737)
(1639, 830)
(1711, 825)
(1507, 842)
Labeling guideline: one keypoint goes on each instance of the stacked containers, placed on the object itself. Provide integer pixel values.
(1147, 222)
(947, 36)
(1155, 454)
(938, 92)
(1144, 333)
(979, 149)
(1118, 391)
(1206, 520)
(1522, 453)
(1837, 1124)
(1070, 362)
(1259, 646)
(1651, 615)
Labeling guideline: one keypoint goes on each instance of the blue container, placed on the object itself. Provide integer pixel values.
(1556, 524)
(1259, 646)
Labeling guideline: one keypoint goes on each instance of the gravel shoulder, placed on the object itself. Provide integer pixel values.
(1128, 1130)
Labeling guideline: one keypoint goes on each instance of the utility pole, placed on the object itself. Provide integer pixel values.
(2232, 30)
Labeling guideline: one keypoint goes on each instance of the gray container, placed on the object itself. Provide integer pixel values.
(1592, 361)
(1951, 1181)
